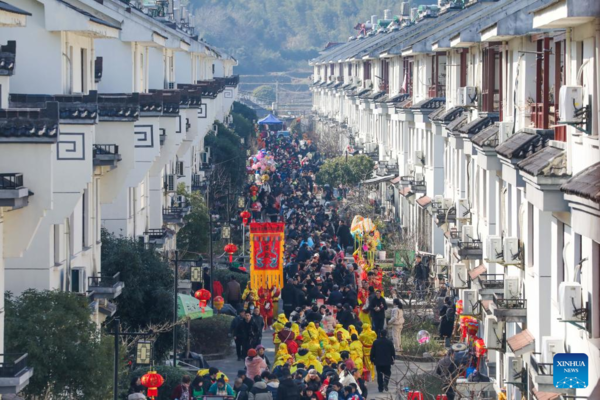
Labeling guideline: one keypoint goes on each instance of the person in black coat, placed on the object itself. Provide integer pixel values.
(288, 389)
(335, 297)
(383, 355)
(377, 307)
(289, 297)
(232, 328)
(304, 253)
(447, 316)
(344, 236)
(346, 317)
(314, 293)
(350, 296)
(247, 333)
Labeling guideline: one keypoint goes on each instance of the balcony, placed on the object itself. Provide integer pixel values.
(542, 375)
(445, 216)
(105, 286)
(470, 250)
(157, 236)
(170, 183)
(196, 182)
(175, 215)
(12, 192)
(510, 310)
(106, 155)
(14, 373)
(490, 285)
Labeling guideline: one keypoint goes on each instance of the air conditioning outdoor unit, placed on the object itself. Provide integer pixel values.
(467, 96)
(441, 265)
(512, 287)
(495, 249)
(409, 169)
(569, 300)
(550, 347)
(571, 98)
(493, 332)
(467, 234)
(463, 211)
(438, 201)
(511, 250)
(78, 280)
(419, 158)
(460, 278)
(469, 298)
(448, 203)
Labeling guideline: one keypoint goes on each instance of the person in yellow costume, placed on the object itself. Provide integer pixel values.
(314, 361)
(352, 331)
(330, 356)
(277, 326)
(323, 338)
(343, 342)
(356, 352)
(282, 351)
(340, 329)
(303, 355)
(335, 345)
(296, 329)
(367, 337)
(280, 361)
(249, 290)
(311, 331)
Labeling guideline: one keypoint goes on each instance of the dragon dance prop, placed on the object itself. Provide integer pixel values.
(266, 254)
(366, 239)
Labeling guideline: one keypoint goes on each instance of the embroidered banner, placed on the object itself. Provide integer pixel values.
(266, 254)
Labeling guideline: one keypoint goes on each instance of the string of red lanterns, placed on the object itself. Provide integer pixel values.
(152, 381)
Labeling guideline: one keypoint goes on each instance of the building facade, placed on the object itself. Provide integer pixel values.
(103, 112)
(484, 118)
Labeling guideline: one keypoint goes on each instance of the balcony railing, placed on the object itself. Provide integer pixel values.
(540, 368)
(105, 149)
(11, 181)
(492, 281)
(13, 365)
(104, 280)
(155, 234)
(511, 304)
(470, 250)
(106, 155)
(105, 286)
(163, 138)
(444, 215)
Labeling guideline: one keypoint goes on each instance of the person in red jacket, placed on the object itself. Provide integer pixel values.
(183, 391)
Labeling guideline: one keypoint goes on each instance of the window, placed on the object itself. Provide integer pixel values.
(491, 93)
(385, 76)
(56, 238)
(464, 67)
(213, 68)
(366, 71)
(84, 72)
(560, 132)
(407, 78)
(84, 216)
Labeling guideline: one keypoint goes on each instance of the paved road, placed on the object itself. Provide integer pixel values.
(230, 366)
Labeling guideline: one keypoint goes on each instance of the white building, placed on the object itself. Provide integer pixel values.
(485, 116)
(104, 115)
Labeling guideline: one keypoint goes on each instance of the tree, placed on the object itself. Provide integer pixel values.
(148, 296)
(348, 171)
(226, 149)
(193, 237)
(244, 111)
(70, 358)
(264, 93)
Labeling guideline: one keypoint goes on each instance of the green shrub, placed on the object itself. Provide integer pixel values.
(211, 335)
(410, 344)
(172, 376)
(223, 275)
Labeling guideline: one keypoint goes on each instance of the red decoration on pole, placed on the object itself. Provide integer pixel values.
(245, 216)
(203, 296)
(230, 249)
(218, 302)
(152, 380)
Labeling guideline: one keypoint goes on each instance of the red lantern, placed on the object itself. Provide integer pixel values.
(245, 216)
(218, 302)
(203, 296)
(230, 249)
(152, 381)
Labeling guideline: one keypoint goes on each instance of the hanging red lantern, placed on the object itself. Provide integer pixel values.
(152, 381)
(245, 216)
(218, 302)
(230, 249)
(203, 297)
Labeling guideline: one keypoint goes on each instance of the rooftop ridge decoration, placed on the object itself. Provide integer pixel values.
(30, 125)
(119, 106)
(73, 109)
(8, 55)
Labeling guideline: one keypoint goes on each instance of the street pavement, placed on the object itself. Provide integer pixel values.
(230, 366)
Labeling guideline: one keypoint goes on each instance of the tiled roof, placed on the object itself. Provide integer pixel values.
(544, 395)
(191, 95)
(550, 161)
(374, 95)
(8, 54)
(487, 137)
(430, 104)
(524, 143)
(119, 107)
(476, 126)
(362, 93)
(520, 341)
(585, 184)
(406, 192)
(424, 201)
(404, 104)
(397, 98)
(447, 115)
(92, 17)
(12, 9)
(29, 125)
(486, 304)
(475, 272)
(458, 122)
(73, 109)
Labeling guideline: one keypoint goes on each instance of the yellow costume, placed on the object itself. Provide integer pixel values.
(282, 351)
(315, 347)
(335, 345)
(315, 363)
(277, 326)
(367, 337)
(345, 334)
(357, 355)
(323, 338)
(352, 331)
(311, 331)
(330, 356)
(249, 290)
(296, 329)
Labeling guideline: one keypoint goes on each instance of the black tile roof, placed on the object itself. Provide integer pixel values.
(73, 109)
(398, 98)
(458, 122)
(477, 125)
(374, 95)
(446, 115)
(524, 143)
(30, 125)
(8, 55)
(550, 161)
(92, 17)
(362, 93)
(430, 103)
(585, 184)
(487, 137)
(12, 9)
(191, 95)
(119, 106)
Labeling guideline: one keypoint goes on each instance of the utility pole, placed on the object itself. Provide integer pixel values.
(175, 289)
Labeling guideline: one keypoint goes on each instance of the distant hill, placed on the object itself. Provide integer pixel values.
(282, 35)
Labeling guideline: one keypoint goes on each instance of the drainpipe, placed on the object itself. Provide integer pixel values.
(596, 110)
(67, 280)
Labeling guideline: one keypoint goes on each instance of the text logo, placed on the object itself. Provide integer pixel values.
(570, 371)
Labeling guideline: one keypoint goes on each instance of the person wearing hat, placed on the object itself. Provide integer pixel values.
(255, 365)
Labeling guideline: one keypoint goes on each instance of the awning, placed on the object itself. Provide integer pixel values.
(521, 343)
(396, 180)
(585, 184)
(474, 274)
(544, 395)
(269, 120)
(406, 191)
(188, 307)
(378, 179)
(424, 201)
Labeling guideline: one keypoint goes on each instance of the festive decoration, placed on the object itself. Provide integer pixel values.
(152, 381)
(266, 254)
(218, 303)
(230, 249)
(245, 215)
(423, 337)
(459, 307)
(203, 296)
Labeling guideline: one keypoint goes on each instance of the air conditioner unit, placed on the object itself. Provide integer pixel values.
(550, 347)
(448, 203)
(495, 249)
(468, 233)
(571, 98)
(409, 169)
(78, 280)
(438, 201)
(469, 298)
(463, 211)
(441, 265)
(512, 287)
(460, 278)
(569, 300)
(467, 96)
(419, 158)
(511, 250)
(515, 367)
(493, 332)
